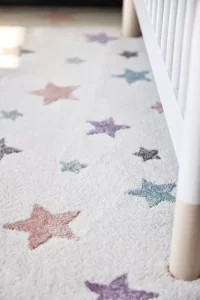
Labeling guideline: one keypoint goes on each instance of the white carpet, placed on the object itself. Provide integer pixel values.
(85, 212)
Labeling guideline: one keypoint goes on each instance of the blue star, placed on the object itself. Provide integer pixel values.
(132, 76)
(73, 166)
(75, 60)
(13, 114)
(154, 193)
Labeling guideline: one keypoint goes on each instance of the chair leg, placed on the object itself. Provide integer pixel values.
(185, 250)
(130, 24)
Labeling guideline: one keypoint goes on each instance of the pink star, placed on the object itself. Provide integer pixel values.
(56, 17)
(42, 225)
(158, 107)
(52, 93)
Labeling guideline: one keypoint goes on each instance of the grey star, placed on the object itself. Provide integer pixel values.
(132, 76)
(13, 114)
(73, 166)
(129, 54)
(75, 60)
(154, 193)
(25, 51)
(147, 154)
(6, 150)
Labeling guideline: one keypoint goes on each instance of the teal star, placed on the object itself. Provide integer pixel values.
(132, 76)
(154, 193)
(73, 166)
(13, 114)
(74, 60)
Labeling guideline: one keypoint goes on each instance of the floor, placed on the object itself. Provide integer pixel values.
(88, 171)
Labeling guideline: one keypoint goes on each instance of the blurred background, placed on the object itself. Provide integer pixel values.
(63, 2)
(21, 20)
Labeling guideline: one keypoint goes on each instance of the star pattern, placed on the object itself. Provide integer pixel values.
(73, 166)
(57, 17)
(158, 107)
(107, 126)
(13, 114)
(75, 60)
(131, 76)
(42, 226)
(147, 154)
(52, 93)
(101, 38)
(118, 290)
(154, 193)
(4, 150)
(15, 51)
(26, 51)
(129, 54)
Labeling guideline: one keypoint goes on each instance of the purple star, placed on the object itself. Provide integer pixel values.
(118, 290)
(101, 38)
(107, 126)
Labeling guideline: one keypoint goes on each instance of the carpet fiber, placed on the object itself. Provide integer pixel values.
(87, 167)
